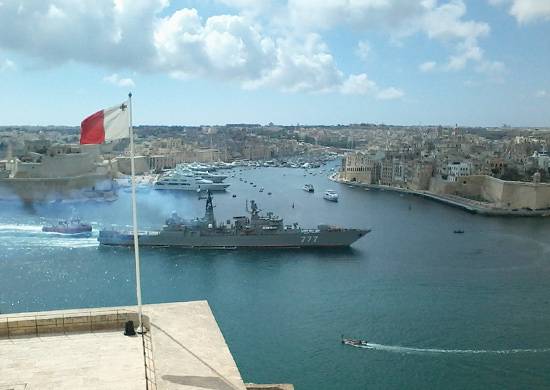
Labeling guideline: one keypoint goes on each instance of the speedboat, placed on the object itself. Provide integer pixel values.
(309, 188)
(331, 195)
(354, 342)
(73, 226)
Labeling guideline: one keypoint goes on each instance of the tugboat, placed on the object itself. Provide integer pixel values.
(73, 226)
(252, 231)
(309, 188)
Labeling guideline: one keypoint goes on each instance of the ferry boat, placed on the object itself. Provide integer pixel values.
(73, 226)
(331, 195)
(309, 188)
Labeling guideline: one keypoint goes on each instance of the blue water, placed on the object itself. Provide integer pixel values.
(440, 310)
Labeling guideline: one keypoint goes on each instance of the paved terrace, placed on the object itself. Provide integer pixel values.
(76, 349)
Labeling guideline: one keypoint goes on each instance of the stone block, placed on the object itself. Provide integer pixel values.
(104, 318)
(76, 319)
(77, 327)
(21, 322)
(21, 331)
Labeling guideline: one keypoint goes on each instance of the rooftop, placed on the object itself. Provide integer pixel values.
(86, 349)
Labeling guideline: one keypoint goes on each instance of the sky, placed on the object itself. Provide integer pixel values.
(209, 62)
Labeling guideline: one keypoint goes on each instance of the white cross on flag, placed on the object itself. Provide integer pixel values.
(106, 125)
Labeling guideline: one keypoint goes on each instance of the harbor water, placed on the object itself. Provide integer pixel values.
(439, 309)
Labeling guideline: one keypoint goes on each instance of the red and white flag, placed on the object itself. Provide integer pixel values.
(106, 125)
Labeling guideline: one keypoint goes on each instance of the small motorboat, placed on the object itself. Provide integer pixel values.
(331, 196)
(354, 342)
(458, 231)
(73, 226)
(262, 189)
(309, 188)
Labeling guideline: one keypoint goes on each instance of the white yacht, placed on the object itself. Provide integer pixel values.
(331, 195)
(176, 181)
(185, 171)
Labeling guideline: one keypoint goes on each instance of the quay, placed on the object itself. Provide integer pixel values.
(469, 205)
(86, 349)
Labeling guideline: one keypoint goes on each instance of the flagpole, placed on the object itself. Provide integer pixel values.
(140, 329)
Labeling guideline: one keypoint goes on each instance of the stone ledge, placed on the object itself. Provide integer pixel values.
(72, 321)
(278, 386)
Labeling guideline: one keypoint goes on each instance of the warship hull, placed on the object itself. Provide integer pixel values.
(292, 239)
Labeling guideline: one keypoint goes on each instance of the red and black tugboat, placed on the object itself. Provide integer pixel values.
(73, 227)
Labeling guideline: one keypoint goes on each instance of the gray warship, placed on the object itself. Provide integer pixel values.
(254, 231)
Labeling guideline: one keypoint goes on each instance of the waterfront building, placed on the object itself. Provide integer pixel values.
(456, 170)
(361, 167)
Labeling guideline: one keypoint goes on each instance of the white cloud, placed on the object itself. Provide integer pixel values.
(445, 22)
(358, 85)
(390, 94)
(115, 79)
(224, 46)
(6, 65)
(530, 10)
(104, 32)
(146, 36)
(301, 65)
(427, 66)
(542, 93)
(363, 49)
(526, 11)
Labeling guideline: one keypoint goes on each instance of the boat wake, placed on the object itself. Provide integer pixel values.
(412, 350)
(20, 228)
(15, 235)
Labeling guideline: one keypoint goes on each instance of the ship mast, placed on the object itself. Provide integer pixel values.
(209, 212)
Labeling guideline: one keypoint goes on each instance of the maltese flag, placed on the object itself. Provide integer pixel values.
(106, 125)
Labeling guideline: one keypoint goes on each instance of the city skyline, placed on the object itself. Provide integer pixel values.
(231, 61)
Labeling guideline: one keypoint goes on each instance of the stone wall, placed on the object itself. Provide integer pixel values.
(63, 165)
(42, 324)
(503, 194)
(34, 189)
(141, 165)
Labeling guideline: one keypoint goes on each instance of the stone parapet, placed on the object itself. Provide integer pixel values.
(36, 324)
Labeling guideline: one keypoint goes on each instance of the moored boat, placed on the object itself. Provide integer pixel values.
(309, 188)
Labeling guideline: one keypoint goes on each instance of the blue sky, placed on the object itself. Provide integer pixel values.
(483, 62)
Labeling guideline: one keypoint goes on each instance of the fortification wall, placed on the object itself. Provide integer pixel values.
(504, 194)
(58, 166)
